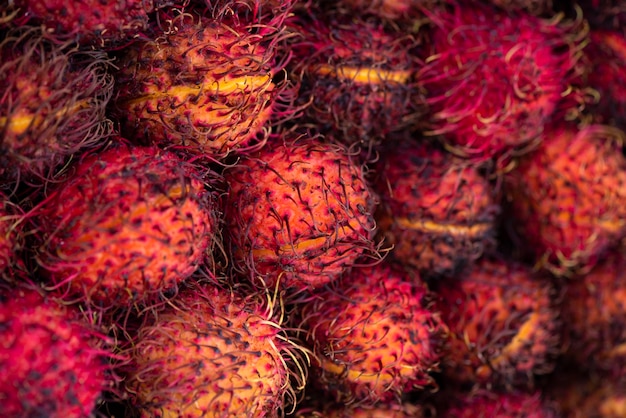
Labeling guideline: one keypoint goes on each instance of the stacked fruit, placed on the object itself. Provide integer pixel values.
(262, 208)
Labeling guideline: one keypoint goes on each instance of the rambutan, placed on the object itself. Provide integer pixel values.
(375, 334)
(101, 23)
(207, 86)
(490, 404)
(214, 353)
(606, 53)
(493, 79)
(52, 364)
(595, 308)
(355, 74)
(437, 210)
(299, 212)
(503, 322)
(126, 225)
(52, 103)
(567, 200)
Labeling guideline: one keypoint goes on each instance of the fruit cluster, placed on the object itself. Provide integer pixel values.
(312, 208)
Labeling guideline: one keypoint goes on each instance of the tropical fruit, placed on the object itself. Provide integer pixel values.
(298, 212)
(127, 225)
(438, 211)
(375, 333)
(215, 353)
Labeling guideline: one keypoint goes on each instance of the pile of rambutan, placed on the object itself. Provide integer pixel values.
(313, 208)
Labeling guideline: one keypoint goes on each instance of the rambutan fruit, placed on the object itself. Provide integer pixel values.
(355, 76)
(504, 325)
(208, 86)
(567, 200)
(214, 353)
(606, 53)
(299, 212)
(52, 364)
(126, 225)
(437, 210)
(52, 103)
(493, 79)
(594, 307)
(375, 334)
(100, 23)
(490, 404)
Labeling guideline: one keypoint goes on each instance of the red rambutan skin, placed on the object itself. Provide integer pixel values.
(298, 212)
(486, 404)
(207, 86)
(503, 322)
(126, 225)
(375, 334)
(355, 76)
(214, 353)
(10, 239)
(51, 363)
(436, 210)
(567, 200)
(606, 53)
(595, 308)
(52, 103)
(93, 22)
(493, 80)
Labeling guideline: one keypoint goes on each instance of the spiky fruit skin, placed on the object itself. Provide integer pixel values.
(52, 103)
(299, 212)
(485, 404)
(567, 198)
(207, 87)
(212, 353)
(375, 335)
(10, 237)
(253, 11)
(126, 225)
(355, 74)
(436, 210)
(595, 308)
(504, 325)
(607, 74)
(92, 22)
(494, 79)
(51, 363)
